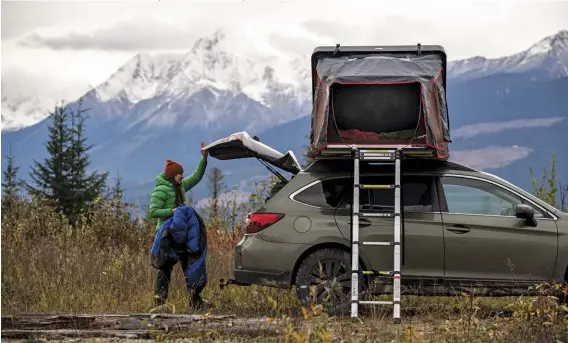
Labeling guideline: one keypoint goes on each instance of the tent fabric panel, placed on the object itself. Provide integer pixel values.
(374, 70)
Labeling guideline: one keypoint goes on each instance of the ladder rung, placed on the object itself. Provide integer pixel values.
(377, 186)
(376, 154)
(370, 272)
(375, 302)
(376, 215)
(377, 159)
(378, 243)
(378, 151)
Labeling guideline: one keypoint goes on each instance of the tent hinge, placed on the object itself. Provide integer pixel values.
(337, 47)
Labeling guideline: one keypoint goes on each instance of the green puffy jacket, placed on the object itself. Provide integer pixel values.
(163, 199)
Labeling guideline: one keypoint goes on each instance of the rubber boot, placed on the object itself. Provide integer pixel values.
(161, 306)
(197, 302)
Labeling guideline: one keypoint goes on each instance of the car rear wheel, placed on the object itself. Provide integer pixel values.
(324, 278)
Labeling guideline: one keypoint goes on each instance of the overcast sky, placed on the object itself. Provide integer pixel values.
(56, 48)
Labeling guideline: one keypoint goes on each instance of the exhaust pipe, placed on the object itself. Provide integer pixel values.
(223, 283)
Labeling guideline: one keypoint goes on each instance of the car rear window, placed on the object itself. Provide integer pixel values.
(326, 193)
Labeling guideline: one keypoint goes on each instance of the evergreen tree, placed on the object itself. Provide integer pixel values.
(51, 176)
(12, 186)
(86, 187)
(549, 195)
(117, 196)
(539, 190)
(563, 194)
(62, 177)
(217, 187)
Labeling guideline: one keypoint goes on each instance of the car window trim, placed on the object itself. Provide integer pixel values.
(523, 193)
(523, 198)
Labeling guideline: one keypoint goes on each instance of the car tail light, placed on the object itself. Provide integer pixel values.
(260, 221)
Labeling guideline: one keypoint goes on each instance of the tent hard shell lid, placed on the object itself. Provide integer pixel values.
(242, 145)
(380, 96)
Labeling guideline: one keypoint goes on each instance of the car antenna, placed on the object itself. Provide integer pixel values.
(419, 46)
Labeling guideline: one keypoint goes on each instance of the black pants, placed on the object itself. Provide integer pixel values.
(163, 281)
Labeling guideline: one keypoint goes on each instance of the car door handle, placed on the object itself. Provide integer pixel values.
(362, 222)
(458, 228)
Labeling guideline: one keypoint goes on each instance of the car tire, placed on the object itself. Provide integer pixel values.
(330, 265)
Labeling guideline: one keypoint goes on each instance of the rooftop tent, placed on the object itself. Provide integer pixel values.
(380, 96)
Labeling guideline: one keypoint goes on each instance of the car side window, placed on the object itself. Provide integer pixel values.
(468, 196)
(325, 194)
(416, 194)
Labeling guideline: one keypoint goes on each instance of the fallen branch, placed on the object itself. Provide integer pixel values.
(141, 326)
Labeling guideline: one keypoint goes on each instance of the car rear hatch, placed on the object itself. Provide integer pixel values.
(242, 145)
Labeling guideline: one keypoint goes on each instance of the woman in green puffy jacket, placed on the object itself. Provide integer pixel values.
(168, 195)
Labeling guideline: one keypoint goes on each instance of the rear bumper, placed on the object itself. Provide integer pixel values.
(255, 262)
(270, 279)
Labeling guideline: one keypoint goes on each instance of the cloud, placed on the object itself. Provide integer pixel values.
(28, 97)
(297, 44)
(464, 29)
(165, 26)
(15, 80)
(469, 131)
(137, 34)
(491, 157)
(338, 31)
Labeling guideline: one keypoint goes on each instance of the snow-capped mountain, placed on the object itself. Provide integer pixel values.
(209, 70)
(549, 55)
(280, 83)
(207, 65)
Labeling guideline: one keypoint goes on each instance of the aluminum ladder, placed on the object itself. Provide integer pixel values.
(376, 155)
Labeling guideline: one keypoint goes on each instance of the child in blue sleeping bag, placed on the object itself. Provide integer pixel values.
(181, 238)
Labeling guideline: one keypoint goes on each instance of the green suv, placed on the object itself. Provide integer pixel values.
(464, 230)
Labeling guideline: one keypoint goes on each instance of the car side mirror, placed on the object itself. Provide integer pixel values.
(525, 212)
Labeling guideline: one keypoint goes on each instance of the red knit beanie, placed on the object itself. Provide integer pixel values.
(172, 169)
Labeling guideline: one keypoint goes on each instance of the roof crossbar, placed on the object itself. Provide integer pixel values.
(341, 151)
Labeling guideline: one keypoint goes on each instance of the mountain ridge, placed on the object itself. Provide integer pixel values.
(134, 133)
(550, 52)
(281, 83)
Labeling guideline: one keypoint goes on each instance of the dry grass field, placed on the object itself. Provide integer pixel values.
(103, 266)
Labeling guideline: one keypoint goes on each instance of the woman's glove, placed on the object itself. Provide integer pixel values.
(204, 152)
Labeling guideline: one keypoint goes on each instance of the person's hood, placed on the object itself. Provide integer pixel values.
(162, 181)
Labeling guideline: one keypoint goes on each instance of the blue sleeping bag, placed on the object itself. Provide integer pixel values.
(183, 235)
